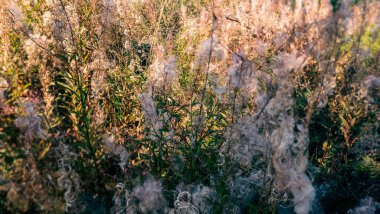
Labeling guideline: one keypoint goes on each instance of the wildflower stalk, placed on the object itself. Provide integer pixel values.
(203, 93)
(236, 89)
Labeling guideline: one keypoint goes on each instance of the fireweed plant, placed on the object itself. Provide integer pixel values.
(185, 106)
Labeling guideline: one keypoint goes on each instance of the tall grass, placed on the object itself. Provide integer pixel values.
(111, 106)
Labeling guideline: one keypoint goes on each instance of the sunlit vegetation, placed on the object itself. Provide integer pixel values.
(189, 106)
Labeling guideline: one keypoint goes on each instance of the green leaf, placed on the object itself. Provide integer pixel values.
(74, 56)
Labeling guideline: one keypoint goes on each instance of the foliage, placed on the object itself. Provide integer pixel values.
(159, 106)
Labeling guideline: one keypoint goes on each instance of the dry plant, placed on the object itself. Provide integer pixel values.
(176, 106)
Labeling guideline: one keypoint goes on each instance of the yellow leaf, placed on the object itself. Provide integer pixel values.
(44, 151)
(344, 122)
(353, 121)
(326, 146)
